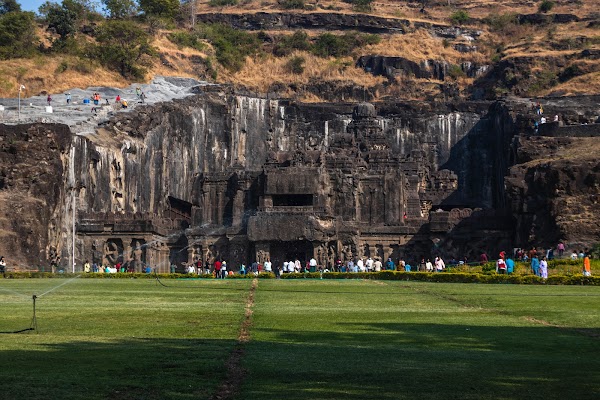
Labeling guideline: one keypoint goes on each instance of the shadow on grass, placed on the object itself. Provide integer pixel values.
(129, 369)
(423, 361)
(360, 361)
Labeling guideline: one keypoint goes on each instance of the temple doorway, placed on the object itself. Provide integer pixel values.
(289, 251)
(178, 253)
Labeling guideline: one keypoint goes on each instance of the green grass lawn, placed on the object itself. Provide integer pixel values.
(309, 339)
(118, 339)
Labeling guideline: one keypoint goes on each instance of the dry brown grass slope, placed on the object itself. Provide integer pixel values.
(56, 73)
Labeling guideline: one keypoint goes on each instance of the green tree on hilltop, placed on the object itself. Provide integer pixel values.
(119, 8)
(124, 46)
(161, 8)
(17, 35)
(7, 6)
(61, 18)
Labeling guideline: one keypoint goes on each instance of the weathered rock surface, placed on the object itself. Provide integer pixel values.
(32, 172)
(396, 67)
(555, 190)
(220, 174)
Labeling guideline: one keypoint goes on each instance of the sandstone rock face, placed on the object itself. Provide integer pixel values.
(242, 178)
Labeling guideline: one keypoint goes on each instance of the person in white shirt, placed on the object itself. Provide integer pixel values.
(429, 266)
(268, 265)
(377, 265)
(361, 265)
(285, 267)
(223, 269)
(369, 264)
(439, 264)
(312, 264)
(297, 265)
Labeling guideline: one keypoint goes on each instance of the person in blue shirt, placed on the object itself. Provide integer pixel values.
(535, 265)
(389, 265)
(510, 265)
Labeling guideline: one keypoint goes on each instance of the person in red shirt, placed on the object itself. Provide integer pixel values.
(483, 258)
(217, 268)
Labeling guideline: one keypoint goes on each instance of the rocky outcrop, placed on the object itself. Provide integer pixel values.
(396, 67)
(554, 191)
(543, 19)
(315, 20)
(33, 160)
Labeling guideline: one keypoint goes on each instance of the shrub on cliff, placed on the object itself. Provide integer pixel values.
(330, 45)
(292, 4)
(546, 6)
(295, 65)
(285, 45)
(500, 22)
(459, 17)
(232, 46)
(187, 39)
(360, 5)
(222, 3)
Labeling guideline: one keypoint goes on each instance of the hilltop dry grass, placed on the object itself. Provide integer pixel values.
(40, 75)
(584, 84)
(418, 46)
(179, 59)
(253, 74)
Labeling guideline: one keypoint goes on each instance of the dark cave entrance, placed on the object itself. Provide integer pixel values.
(289, 251)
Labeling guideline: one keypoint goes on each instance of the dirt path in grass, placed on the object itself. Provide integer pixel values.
(235, 372)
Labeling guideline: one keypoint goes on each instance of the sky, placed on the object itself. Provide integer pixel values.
(30, 5)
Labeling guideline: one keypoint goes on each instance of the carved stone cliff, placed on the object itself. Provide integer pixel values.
(223, 175)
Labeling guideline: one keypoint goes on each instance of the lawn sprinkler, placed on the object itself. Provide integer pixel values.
(33, 326)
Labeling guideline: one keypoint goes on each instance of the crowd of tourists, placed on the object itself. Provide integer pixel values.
(536, 258)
